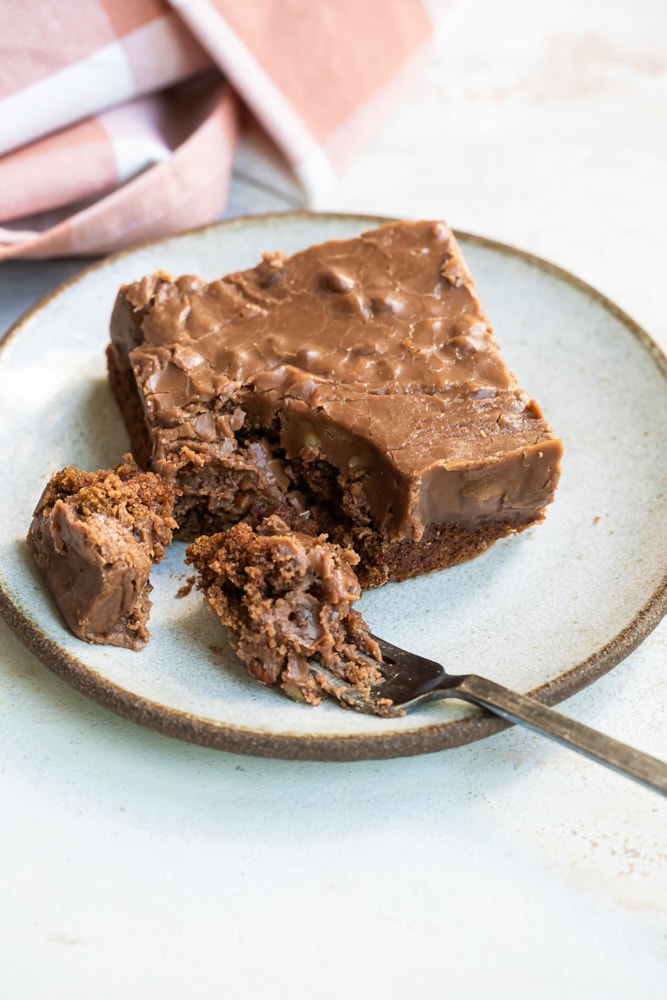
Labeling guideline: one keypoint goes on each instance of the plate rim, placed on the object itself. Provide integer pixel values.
(438, 736)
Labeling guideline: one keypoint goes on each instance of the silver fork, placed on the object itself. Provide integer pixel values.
(410, 680)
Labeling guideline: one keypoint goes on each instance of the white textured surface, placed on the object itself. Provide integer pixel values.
(135, 866)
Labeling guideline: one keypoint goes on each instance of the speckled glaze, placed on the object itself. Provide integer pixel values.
(547, 612)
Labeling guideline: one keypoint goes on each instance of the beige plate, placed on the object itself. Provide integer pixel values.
(547, 612)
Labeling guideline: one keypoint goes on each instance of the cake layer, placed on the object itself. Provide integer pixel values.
(360, 376)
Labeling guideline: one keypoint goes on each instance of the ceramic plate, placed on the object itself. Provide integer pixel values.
(546, 612)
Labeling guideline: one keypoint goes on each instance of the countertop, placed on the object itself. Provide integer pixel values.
(134, 865)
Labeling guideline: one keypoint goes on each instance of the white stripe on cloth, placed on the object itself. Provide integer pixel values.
(15, 235)
(153, 56)
(135, 137)
(306, 156)
(68, 95)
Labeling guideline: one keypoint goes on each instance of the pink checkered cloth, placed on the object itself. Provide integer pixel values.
(119, 118)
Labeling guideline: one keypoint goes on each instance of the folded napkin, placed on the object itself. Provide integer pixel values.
(119, 119)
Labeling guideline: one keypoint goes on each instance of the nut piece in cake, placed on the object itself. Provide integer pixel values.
(286, 597)
(95, 537)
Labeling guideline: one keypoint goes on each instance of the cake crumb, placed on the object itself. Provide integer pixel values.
(285, 598)
(187, 587)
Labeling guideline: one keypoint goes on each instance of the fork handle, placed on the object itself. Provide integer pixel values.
(510, 705)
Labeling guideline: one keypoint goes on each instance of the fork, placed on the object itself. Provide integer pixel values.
(410, 680)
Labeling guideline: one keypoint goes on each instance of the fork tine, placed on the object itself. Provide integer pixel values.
(370, 702)
(391, 653)
(409, 667)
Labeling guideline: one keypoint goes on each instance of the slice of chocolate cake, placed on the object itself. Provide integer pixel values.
(358, 379)
(95, 537)
(286, 597)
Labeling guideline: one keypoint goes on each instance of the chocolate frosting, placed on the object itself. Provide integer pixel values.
(375, 351)
(95, 537)
(98, 571)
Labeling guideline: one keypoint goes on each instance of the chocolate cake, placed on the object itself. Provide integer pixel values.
(285, 598)
(95, 537)
(358, 380)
